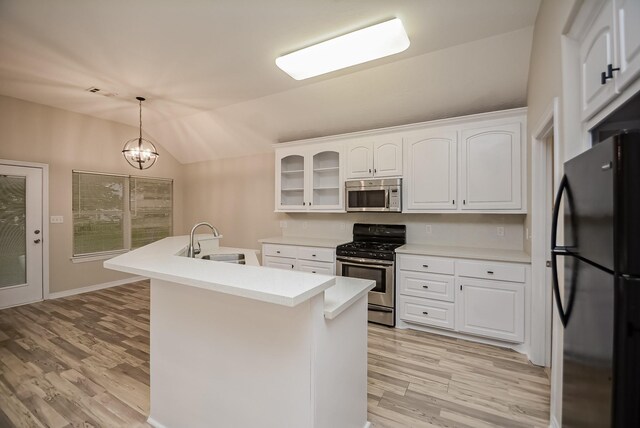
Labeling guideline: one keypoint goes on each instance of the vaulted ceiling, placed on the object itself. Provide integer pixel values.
(207, 67)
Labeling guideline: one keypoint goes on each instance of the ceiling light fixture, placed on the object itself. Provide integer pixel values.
(360, 46)
(140, 152)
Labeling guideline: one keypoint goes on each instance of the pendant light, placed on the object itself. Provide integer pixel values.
(140, 152)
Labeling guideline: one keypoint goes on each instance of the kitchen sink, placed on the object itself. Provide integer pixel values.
(237, 258)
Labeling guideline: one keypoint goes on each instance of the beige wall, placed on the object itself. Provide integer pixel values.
(545, 73)
(236, 195)
(65, 141)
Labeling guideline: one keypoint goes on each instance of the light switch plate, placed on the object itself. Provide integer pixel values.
(57, 219)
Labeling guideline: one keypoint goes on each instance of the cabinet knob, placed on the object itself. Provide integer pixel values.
(277, 251)
(313, 255)
(37, 231)
(291, 266)
(304, 204)
(369, 170)
(425, 286)
(425, 313)
(313, 271)
(375, 170)
(36, 241)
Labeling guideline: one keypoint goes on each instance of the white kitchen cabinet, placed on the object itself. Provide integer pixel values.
(596, 53)
(490, 308)
(310, 178)
(374, 157)
(609, 53)
(431, 172)
(470, 297)
(294, 257)
(491, 164)
(627, 20)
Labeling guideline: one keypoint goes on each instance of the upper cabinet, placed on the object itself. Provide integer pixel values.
(491, 168)
(627, 19)
(309, 178)
(472, 164)
(431, 170)
(609, 53)
(374, 157)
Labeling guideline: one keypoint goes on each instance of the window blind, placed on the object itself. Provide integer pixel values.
(115, 213)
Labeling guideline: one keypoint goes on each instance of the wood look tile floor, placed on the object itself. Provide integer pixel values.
(84, 361)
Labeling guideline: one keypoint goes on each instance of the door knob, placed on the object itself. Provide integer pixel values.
(36, 241)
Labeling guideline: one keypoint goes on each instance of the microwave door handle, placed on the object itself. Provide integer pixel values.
(386, 198)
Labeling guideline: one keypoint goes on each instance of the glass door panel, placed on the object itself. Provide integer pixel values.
(326, 186)
(13, 235)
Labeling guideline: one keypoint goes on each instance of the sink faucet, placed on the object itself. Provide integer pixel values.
(191, 251)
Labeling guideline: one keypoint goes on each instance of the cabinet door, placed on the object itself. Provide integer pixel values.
(431, 178)
(628, 29)
(290, 181)
(596, 52)
(360, 159)
(490, 308)
(491, 168)
(387, 157)
(325, 179)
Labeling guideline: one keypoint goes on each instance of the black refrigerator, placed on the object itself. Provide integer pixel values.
(600, 308)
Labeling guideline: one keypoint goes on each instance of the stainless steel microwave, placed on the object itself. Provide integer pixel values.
(376, 195)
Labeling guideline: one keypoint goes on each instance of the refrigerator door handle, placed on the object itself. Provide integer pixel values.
(557, 251)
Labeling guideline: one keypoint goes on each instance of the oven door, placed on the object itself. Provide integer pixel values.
(380, 271)
(367, 198)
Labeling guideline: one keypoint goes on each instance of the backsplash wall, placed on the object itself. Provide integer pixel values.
(464, 230)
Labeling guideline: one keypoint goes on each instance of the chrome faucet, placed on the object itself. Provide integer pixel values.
(191, 251)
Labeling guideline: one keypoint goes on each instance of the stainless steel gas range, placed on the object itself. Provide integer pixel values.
(371, 256)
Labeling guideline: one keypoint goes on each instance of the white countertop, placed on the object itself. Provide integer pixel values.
(162, 260)
(302, 241)
(492, 254)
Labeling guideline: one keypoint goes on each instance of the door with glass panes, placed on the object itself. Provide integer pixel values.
(20, 235)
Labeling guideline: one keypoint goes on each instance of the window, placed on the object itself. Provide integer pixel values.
(113, 213)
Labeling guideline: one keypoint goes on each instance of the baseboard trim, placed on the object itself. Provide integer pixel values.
(154, 423)
(95, 287)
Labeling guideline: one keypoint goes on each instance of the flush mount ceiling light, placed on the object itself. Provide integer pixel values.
(140, 152)
(360, 46)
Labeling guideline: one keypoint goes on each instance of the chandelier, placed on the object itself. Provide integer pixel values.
(140, 152)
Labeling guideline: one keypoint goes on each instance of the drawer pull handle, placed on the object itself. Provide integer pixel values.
(490, 272)
(277, 251)
(425, 266)
(425, 286)
(313, 255)
(425, 313)
(291, 266)
(313, 271)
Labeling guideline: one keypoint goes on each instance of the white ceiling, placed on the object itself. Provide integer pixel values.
(207, 67)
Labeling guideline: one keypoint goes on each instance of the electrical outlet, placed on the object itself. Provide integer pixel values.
(427, 229)
(283, 224)
(500, 231)
(57, 219)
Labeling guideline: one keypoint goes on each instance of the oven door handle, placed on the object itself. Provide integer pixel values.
(357, 263)
(375, 309)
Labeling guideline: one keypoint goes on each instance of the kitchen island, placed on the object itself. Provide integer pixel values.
(248, 346)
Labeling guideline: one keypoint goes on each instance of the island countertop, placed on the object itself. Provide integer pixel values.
(163, 260)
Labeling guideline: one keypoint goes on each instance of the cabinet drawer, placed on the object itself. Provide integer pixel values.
(488, 270)
(325, 268)
(319, 254)
(426, 264)
(280, 250)
(429, 285)
(427, 312)
(279, 262)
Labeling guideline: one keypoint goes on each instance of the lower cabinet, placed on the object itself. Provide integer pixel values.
(294, 257)
(491, 308)
(476, 297)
